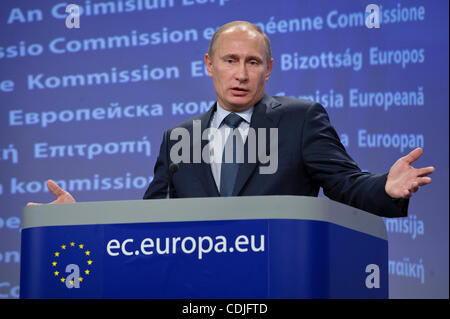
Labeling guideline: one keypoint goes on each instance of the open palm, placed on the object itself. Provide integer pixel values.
(62, 196)
(403, 179)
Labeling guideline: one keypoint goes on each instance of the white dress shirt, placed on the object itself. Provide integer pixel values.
(217, 144)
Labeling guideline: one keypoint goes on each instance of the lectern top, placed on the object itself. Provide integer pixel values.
(204, 209)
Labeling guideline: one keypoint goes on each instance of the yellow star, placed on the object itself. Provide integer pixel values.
(63, 279)
(57, 254)
(89, 262)
(80, 279)
(63, 246)
(87, 252)
(71, 282)
(81, 246)
(56, 273)
(87, 271)
(72, 244)
(54, 263)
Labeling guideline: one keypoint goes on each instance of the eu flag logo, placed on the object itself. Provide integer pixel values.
(72, 264)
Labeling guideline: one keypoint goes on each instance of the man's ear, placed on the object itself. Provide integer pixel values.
(269, 69)
(208, 63)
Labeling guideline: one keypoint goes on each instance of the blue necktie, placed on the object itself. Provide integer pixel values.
(229, 171)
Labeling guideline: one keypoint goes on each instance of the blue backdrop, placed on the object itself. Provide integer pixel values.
(87, 106)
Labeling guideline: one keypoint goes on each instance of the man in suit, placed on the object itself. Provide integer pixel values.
(309, 152)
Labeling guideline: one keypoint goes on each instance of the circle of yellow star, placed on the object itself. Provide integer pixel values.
(66, 249)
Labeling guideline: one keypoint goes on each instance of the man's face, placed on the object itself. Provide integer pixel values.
(239, 69)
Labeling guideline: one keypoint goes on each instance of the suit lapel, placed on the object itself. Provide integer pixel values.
(204, 169)
(263, 117)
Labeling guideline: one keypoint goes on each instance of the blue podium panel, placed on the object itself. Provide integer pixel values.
(251, 258)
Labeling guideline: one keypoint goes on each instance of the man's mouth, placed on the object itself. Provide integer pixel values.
(239, 90)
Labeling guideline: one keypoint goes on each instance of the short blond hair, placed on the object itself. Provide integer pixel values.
(225, 27)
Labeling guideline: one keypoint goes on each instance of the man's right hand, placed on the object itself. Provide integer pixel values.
(62, 196)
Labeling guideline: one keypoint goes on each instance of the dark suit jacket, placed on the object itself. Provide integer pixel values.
(310, 156)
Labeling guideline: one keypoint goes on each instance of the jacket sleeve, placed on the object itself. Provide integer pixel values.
(334, 170)
(158, 186)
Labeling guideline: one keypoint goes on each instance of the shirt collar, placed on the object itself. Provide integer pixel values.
(221, 113)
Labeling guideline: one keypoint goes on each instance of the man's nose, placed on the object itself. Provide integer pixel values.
(241, 73)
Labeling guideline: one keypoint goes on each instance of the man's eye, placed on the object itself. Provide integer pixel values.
(254, 62)
(230, 61)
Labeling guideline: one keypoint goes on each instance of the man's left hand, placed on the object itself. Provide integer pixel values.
(403, 179)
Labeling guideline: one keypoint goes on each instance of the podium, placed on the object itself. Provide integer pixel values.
(234, 247)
